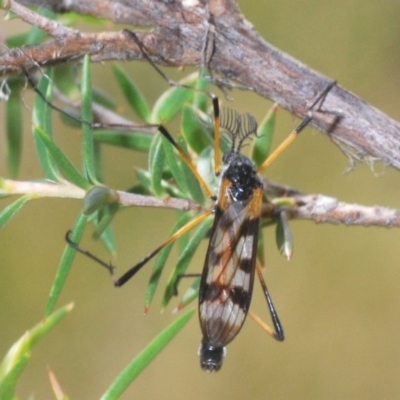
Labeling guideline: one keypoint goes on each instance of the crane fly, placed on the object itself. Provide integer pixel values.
(231, 260)
(227, 279)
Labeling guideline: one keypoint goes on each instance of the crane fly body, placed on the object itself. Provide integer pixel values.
(228, 275)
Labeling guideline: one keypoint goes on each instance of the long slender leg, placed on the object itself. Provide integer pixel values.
(212, 96)
(187, 160)
(137, 267)
(93, 125)
(294, 134)
(277, 332)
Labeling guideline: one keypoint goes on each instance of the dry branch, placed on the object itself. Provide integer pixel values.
(238, 53)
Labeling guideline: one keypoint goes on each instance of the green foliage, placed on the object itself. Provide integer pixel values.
(170, 103)
(167, 176)
(14, 128)
(132, 93)
(194, 120)
(261, 145)
(156, 164)
(42, 132)
(65, 265)
(284, 239)
(87, 135)
(8, 212)
(15, 361)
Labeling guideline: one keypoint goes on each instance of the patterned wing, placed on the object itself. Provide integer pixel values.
(228, 275)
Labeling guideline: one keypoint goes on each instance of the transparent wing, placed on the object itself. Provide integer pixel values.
(228, 275)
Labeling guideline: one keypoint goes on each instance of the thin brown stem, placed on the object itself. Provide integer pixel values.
(316, 207)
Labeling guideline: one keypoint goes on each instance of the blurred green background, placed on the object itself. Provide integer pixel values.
(338, 298)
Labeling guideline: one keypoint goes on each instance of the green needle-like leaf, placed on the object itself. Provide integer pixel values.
(63, 162)
(11, 210)
(64, 77)
(65, 264)
(145, 357)
(284, 238)
(17, 357)
(172, 101)
(156, 164)
(191, 181)
(173, 165)
(14, 127)
(132, 94)
(41, 117)
(261, 145)
(201, 99)
(192, 130)
(88, 151)
(105, 231)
